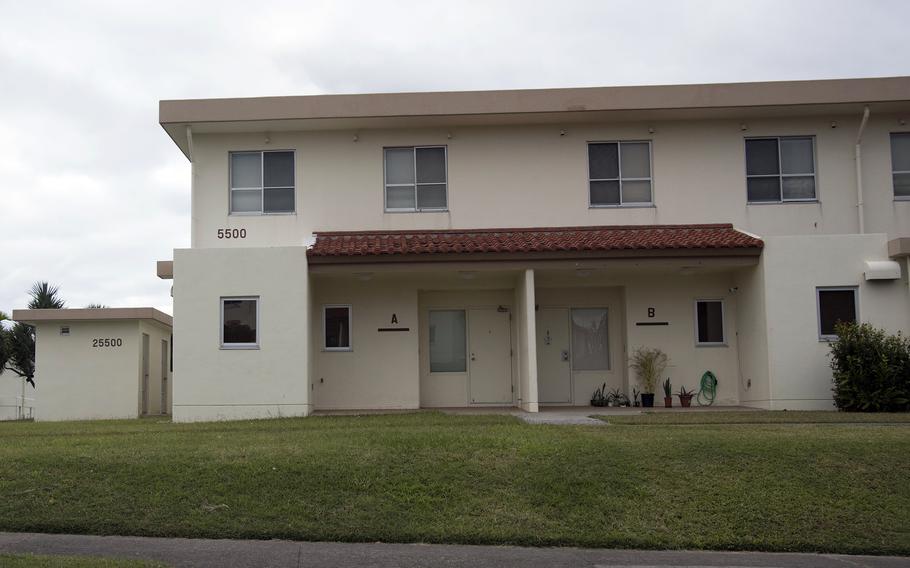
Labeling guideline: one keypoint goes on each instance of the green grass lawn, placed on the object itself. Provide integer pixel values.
(35, 561)
(430, 477)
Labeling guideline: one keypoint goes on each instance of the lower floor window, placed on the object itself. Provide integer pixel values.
(590, 342)
(336, 324)
(448, 343)
(709, 322)
(835, 305)
(239, 322)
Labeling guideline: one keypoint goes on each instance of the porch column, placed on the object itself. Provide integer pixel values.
(527, 341)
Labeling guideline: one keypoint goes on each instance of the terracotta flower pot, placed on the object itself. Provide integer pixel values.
(668, 402)
(685, 401)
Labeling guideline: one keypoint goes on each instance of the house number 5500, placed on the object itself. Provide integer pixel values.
(231, 233)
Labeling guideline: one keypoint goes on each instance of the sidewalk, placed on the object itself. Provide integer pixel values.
(277, 553)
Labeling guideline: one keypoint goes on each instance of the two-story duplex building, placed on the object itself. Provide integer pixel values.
(452, 249)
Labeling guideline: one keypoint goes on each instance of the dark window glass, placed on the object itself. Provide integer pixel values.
(835, 306)
(448, 347)
(764, 189)
(603, 161)
(710, 316)
(900, 163)
(762, 158)
(239, 317)
(337, 328)
(278, 200)
(278, 169)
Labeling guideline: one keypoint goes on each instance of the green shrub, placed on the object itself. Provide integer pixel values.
(871, 369)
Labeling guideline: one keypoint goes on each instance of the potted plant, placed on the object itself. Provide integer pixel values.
(599, 398)
(635, 397)
(648, 364)
(617, 398)
(668, 394)
(685, 397)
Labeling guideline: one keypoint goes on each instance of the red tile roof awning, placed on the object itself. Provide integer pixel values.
(551, 242)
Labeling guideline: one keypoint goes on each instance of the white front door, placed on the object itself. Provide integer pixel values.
(554, 372)
(489, 356)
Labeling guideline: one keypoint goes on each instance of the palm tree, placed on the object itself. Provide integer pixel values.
(18, 352)
(44, 297)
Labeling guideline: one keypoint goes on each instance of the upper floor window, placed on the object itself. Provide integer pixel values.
(415, 179)
(619, 173)
(262, 182)
(900, 164)
(780, 169)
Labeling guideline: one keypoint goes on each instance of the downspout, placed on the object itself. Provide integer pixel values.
(189, 154)
(859, 170)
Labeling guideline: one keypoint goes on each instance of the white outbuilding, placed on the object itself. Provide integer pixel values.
(100, 363)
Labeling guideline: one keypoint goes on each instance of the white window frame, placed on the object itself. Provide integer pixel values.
(818, 307)
(350, 309)
(262, 187)
(780, 175)
(893, 171)
(620, 179)
(723, 323)
(386, 184)
(230, 346)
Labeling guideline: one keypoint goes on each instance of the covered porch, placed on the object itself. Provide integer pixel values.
(407, 326)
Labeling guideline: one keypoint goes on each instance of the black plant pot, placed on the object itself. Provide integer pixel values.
(647, 400)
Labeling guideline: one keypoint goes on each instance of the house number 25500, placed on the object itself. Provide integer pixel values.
(107, 342)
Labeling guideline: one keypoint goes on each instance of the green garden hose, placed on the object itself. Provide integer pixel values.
(708, 389)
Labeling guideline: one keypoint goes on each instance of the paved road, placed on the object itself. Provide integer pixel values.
(278, 553)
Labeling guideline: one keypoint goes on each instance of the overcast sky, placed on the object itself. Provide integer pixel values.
(92, 191)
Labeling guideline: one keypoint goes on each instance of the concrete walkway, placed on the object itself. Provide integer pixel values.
(278, 553)
(574, 415)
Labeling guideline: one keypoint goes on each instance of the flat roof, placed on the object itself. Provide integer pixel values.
(92, 314)
(423, 109)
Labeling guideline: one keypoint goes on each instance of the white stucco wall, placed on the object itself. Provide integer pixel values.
(529, 175)
(12, 387)
(212, 383)
(800, 377)
(381, 369)
(76, 381)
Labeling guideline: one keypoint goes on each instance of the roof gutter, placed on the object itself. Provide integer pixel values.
(858, 156)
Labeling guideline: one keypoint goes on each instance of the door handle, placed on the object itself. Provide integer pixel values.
(472, 357)
(564, 354)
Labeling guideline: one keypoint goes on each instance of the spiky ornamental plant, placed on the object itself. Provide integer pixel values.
(649, 364)
(45, 297)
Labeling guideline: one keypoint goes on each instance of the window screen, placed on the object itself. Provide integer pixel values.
(835, 305)
(709, 321)
(780, 169)
(239, 321)
(262, 182)
(590, 343)
(448, 346)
